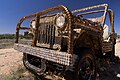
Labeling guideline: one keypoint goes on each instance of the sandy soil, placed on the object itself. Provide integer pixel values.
(117, 49)
(10, 59)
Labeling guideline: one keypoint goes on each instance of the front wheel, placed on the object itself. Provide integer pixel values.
(35, 65)
(86, 68)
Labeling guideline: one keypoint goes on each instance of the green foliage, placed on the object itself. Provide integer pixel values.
(118, 36)
(21, 36)
(10, 36)
(7, 36)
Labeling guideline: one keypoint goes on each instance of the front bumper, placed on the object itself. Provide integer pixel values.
(47, 54)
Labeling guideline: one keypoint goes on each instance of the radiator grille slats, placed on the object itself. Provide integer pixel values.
(47, 33)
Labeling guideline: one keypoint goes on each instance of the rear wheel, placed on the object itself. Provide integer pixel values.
(110, 56)
(86, 68)
(113, 53)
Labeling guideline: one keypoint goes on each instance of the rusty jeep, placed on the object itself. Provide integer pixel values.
(68, 42)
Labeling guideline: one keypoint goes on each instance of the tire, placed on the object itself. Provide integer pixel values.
(31, 59)
(110, 55)
(113, 53)
(86, 68)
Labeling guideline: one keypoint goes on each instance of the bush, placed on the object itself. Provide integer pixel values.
(10, 36)
(118, 36)
(7, 36)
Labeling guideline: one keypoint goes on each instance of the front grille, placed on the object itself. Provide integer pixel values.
(47, 29)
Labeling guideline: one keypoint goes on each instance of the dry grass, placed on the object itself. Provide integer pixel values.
(20, 74)
(8, 43)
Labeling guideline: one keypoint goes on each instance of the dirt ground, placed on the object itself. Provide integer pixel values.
(117, 49)
(10, 60)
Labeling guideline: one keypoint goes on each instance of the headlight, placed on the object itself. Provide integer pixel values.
(33, 24)
(60, 21)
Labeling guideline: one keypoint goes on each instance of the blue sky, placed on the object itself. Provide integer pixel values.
(12, 10)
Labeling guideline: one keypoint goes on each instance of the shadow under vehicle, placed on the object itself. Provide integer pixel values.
(68, 42)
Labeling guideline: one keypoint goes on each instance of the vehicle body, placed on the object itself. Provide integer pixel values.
(66, 41)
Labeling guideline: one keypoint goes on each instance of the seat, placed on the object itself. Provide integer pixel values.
(105, 32)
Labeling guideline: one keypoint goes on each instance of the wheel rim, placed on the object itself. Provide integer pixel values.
(87, 69)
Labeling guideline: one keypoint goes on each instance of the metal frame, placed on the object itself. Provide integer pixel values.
(63, 58)
(110, 13)
(61, 7)
(95, 27)
(94, 7)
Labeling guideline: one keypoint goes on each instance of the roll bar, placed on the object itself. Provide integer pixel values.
(110, 13)
(94, 7)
